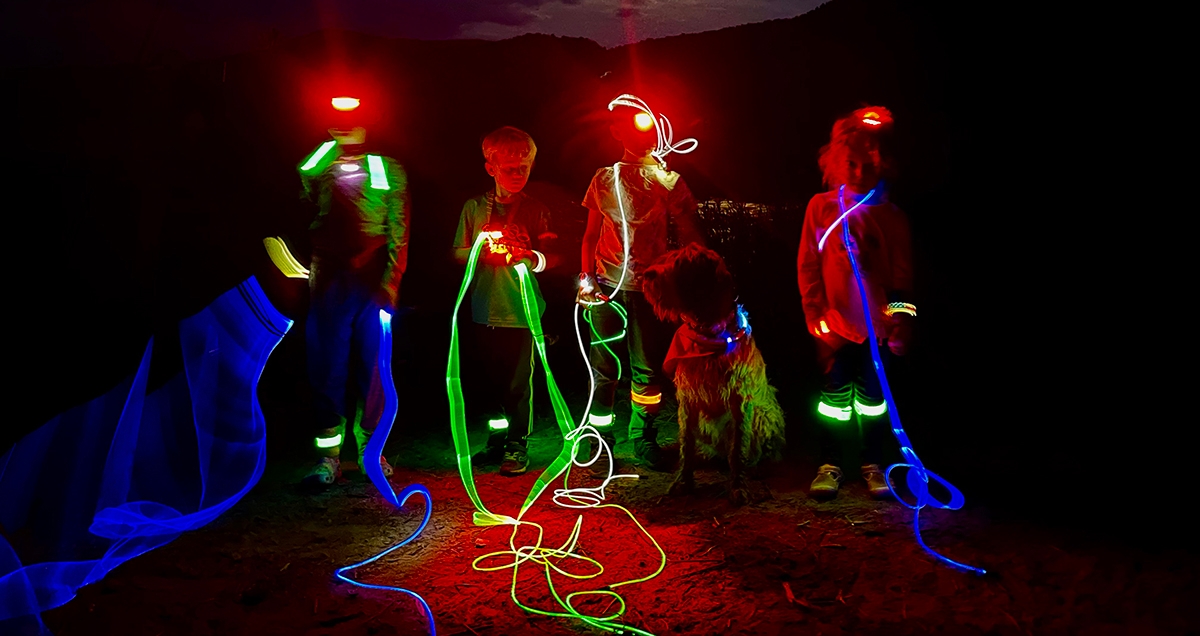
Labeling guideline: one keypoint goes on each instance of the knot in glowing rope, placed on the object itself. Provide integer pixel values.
(664, 131)
(918, 476)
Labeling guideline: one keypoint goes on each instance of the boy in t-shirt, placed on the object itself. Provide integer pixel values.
(498, 313)
(637, 199)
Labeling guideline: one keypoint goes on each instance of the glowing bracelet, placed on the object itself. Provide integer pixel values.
(900, 308)
(541, 262)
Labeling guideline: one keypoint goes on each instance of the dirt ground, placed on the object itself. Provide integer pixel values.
(783, 565)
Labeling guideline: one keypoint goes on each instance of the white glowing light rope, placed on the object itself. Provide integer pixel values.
(666, 134)
(821, 244)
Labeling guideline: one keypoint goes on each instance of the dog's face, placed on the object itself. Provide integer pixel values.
(692, 282)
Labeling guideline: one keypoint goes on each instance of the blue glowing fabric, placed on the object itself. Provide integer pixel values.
(129, 471)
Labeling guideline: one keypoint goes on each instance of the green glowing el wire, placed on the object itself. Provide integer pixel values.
(561, 464)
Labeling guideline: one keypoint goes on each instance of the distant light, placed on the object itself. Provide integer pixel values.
(344, 103)
(643, 121)
(349, 167)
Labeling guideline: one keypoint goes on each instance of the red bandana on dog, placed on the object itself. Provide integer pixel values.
(695, 341)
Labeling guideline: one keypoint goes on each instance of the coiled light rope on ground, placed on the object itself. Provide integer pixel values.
(918, 476)
(536, 554)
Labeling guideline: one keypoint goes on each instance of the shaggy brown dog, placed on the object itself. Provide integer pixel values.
(725, 402)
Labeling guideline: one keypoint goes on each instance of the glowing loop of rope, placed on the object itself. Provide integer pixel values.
(666, 134)
(561, 465)
(918, 476)
(371, 467)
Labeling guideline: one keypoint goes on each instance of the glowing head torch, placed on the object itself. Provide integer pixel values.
(644, 120)
(344, 104)
(873, 117)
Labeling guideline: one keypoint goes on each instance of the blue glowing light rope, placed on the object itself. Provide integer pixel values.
(918, 476)
(371, 455)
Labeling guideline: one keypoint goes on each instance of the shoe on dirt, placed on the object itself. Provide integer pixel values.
(826, 484)
(324, 473)
(650, 453)
(516, 460)
(877, 482)
(489, 456)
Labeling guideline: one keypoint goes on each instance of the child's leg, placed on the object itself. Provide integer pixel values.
(649, 339)
(835, 430)
(871, 407)
(328, 335)
(606, 323)
(518, 394)
(495, 355)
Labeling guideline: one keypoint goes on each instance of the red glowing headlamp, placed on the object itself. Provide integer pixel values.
(873, 117)
(643, 121)
(344, 104)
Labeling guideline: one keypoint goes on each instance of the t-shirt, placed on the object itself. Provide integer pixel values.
(496, 299)
(650, 197)
(884, 254)
(360, 225)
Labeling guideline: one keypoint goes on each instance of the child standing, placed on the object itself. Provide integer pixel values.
(631, 204)
(855, 163)
(501, 328)
(360, 251)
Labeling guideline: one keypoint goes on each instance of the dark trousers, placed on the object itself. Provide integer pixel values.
(507, 389)
(644, 347)
(851, 385)
(343, 347)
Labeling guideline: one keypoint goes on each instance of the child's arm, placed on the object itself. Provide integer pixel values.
(591, 238)
(900, 247)
(546, 240)
(398, 213)
(465, 236)
(808, 272)
(683, 210)
(899, 239)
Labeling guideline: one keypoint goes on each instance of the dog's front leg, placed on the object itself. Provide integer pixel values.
(739, 494)
(689, 422)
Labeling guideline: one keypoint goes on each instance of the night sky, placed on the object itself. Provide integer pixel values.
(129, 31)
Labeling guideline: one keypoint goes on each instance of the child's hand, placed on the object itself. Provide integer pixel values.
(900, 339)
(817, 326)
(521, 255)
(495, 259)
(588, 291)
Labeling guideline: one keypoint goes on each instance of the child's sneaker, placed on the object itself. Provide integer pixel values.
(324, 473)
(649, 452)
(383, 466)
(826, 484)
(877, 481)
(516, 460)
(489, 456)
